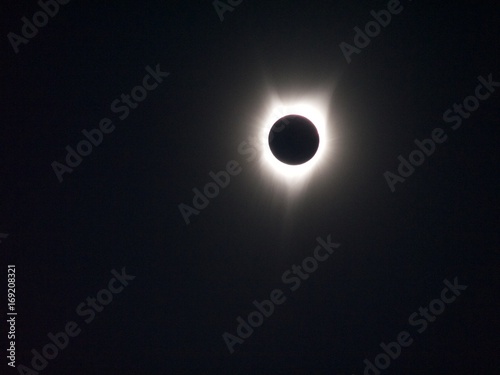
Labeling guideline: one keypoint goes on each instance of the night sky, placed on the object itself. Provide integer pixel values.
(146, 224)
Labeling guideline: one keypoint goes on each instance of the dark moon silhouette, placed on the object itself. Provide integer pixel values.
(293, 139)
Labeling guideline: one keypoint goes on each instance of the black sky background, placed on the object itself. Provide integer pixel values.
(119, 208)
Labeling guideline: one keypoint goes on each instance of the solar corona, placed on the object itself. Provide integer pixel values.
(296, 139)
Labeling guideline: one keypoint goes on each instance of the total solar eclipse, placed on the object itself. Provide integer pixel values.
(293, 140)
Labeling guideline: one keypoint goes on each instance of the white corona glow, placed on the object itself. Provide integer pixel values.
(314, 108)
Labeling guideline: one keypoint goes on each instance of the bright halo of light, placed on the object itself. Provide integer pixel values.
(313, 108)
